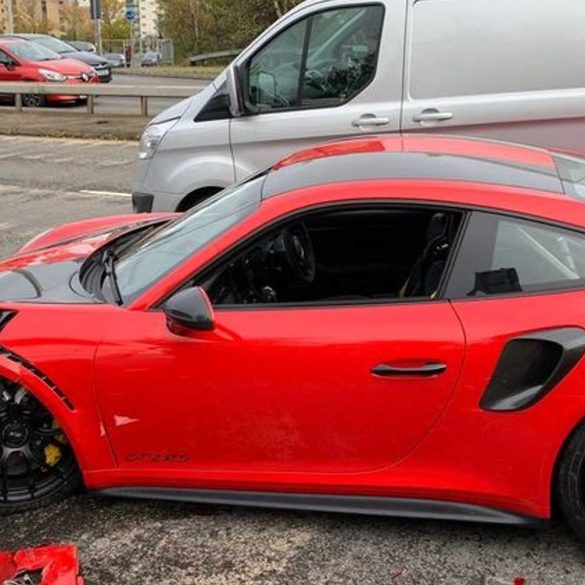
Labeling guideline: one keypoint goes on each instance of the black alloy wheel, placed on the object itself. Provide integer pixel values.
(37, 464)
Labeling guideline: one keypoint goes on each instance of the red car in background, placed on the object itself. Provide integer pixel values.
(26, 61)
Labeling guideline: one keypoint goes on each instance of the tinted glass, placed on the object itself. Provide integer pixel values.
(53, 44)
(572, 172)
(502, 256)
(476, 47)
(158, 254)
(33, 52)
(324, 60)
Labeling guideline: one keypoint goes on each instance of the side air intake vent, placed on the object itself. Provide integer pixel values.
(531, 366)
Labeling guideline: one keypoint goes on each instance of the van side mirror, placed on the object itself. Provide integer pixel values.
(191, 309)
(234, 91)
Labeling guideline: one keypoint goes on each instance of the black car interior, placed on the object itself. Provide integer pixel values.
(345, 255)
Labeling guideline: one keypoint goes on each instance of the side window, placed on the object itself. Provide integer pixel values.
(500, 255)
(4, 58)
(323, 60)
(345, 255)
(482, 47)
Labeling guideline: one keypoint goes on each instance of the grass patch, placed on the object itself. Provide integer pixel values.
(176, 71)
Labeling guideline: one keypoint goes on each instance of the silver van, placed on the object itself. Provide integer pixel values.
(506, 69)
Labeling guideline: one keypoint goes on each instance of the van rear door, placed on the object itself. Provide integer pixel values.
(329, 70)
(497, 69)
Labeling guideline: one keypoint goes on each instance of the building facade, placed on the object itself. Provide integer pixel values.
(147, 23)
(3, 16)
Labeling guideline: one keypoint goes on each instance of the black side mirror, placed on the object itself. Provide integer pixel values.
(190, 308)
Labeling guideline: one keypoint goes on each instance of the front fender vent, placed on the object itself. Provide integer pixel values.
(37, 373)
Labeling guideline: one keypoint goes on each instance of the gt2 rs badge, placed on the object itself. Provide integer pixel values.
(159, 458)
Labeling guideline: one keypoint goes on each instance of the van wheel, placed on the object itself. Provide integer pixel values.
(197, 197)
(570, 483)
(37, 464)
(30, 100)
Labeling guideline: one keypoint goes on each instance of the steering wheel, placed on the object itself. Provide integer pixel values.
(299, 253)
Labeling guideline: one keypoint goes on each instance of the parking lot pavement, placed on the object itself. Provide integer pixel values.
(67, 164)
(128, 543)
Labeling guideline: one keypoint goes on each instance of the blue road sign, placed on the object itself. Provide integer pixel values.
(131, 14)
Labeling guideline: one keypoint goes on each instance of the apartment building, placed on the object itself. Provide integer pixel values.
(148, 17)
(3, 16)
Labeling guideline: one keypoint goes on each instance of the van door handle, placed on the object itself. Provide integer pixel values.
(432, 115)
(425, 371)
(370, 120)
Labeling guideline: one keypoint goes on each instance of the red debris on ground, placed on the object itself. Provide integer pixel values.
(50, 565)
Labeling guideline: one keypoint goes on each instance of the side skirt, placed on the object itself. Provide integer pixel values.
(369, 505)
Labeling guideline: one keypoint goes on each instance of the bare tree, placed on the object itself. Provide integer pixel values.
(281, 7)
(29, 17)
(76, 23)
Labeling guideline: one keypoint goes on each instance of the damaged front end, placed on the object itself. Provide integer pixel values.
(50, 565)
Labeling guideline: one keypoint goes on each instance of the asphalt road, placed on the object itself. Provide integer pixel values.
(42, 183)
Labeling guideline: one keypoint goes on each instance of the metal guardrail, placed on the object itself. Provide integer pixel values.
(211, 56)
(92, 90)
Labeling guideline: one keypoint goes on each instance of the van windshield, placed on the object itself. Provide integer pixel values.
(155, 256)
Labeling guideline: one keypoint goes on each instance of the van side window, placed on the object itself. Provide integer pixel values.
(323, 60)
(482, 47)
(503, 255)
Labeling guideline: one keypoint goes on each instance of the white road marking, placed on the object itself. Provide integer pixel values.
(105, 193)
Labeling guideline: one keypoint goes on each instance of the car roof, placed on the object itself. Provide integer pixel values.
(425, 157)
(10, 41)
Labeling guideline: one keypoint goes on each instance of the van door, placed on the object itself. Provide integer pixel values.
(497, 69)
(326, 72)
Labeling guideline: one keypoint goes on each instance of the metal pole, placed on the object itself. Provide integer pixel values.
(98, 35)
(9, 17)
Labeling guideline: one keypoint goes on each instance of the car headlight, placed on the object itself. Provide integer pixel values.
(153, 136)
(52, 75)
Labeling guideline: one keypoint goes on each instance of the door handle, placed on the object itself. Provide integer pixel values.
(432, 115)
(425, 371)
(370, 120)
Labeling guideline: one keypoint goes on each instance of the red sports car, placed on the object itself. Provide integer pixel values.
(387, 326)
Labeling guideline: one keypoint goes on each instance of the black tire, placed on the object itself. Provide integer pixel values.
(33, 100)
(570, 483)
(197, 197)
(37, 464)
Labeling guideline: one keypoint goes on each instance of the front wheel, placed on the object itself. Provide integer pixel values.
(37, 464)
(31, 100)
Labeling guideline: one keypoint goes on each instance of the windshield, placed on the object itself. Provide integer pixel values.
(32, 52)
(53, 44)
(153, 257)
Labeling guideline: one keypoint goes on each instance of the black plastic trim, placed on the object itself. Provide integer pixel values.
(6, 317)
(368, 505)
(142, 202)
(564, 346)
(13, 357)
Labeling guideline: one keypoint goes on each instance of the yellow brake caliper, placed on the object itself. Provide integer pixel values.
(53, 453)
